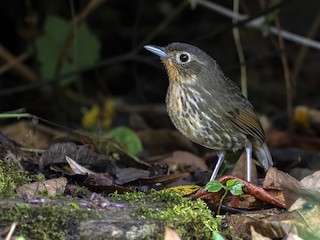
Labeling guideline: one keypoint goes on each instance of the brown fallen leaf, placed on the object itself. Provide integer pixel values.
(181, 160)
(163, 179)
(52, 187)
(240, 168)
(92, 178)
(257, 236)
(23, 133)
(170, 234)
(241, 225)
(308, 188)
(99, 179)
(81, 154)
(276, 138)
(164, 141)
(276, 225)
(282, 139)
(126, 175)
(77, 168)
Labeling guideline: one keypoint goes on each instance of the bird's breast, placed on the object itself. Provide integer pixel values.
(198, 121)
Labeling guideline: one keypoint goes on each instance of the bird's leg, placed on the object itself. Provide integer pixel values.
(218, 165)
(248, 148)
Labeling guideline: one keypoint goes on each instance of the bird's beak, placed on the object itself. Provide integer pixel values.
(159, 51)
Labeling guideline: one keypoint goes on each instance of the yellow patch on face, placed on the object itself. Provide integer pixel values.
(172, 71)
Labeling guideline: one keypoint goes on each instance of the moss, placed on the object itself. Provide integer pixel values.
(38, 177)
(191, 219)
(11, 176)
(44, 221)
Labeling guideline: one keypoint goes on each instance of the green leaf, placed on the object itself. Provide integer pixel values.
(193, 3)
(235, 186)
(84, 49)
(217, 236)
(214, 186)
(128, 139)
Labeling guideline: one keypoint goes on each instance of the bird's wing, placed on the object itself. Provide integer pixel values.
(240, 111)
(247, 122)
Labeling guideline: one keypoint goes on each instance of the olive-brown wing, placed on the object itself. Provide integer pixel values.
(240, 111)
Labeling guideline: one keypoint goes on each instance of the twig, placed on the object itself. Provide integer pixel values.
(258, 23)
(12, 229)
(242, 61)
(15, 63)
(304, 48)
(42, 82)
(17, 60)
(130, 56)
(77, 21)
(161, 26)
(286, 72)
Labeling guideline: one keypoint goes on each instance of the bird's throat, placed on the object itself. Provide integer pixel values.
(172, 71)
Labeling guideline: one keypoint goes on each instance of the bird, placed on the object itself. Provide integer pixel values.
(208, 108)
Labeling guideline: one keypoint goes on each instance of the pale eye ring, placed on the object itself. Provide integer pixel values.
(183, 57)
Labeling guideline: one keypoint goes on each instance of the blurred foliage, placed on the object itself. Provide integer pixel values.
(124, 26)
(83, 51)
(102, 114)
(11, 176)
(128, 139)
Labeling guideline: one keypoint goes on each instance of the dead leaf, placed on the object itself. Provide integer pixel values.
(278, 138)
(82, 154)
(99, 179)
(24, 133)
(170, 234)
(181, 160)
(241, 225)
(240, 168)
(276, 225)
(164, 141)
(271, 178)
(283, 139)
(292, 236)
(52, 187)
(126, 175)
(77, 168)
(184, 190)
(163, 179)
(308, 188)
(257, 236)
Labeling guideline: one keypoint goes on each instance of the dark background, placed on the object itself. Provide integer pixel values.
(122, 26)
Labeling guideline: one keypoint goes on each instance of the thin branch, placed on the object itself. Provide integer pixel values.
(304, 49)
(162, 25)
(130, 56)
(258, 23)
(18, 60)
(77, 21)
(237, 41)
(16, 64)
(42, 82)
(286, 72)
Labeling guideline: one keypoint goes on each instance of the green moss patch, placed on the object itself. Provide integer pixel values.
(191, 218)
(43, 221)
(11, 176)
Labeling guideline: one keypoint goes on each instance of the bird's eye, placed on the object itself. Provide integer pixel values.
(183, 57)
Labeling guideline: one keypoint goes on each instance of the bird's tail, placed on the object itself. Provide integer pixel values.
(262, 152)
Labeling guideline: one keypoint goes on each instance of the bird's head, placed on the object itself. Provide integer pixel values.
(184, 63)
